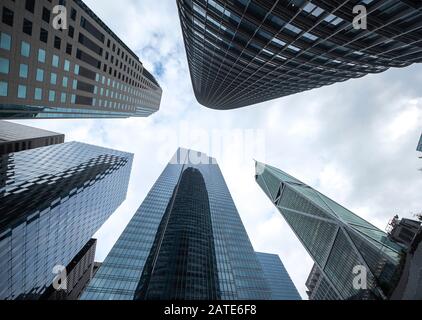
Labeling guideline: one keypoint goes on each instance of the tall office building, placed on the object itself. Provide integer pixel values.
(79, 273)
(342, 245)
(243, 52)
(186, 241)
(318, 287)
(16, 137)
(278, 279)
(52, 201)
(82, 70)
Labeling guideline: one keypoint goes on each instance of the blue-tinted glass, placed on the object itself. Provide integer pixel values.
(41, 55)
(63, 98)
(53, 78)
(65, 81)
(168, 227)
(40, 75)
(25, 49)
(21, 91)
(51, 96)
(4, 65)
(38, 94)
(23, 70)
(5, 41)
(3, 89)
(64, 193)
(55, 61)
(66, 65)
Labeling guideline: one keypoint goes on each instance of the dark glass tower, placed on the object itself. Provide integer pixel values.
(83, 71)
(282, 287)
(186, 241)
(16, 137)
(337, 240)
(52, 201)
(243, 52)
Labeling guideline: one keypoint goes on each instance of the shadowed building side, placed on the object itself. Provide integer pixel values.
(242, 53)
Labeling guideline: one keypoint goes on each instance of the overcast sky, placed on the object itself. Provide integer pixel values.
(353, 141)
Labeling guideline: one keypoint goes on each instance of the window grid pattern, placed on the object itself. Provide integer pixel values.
(243, 52)
(336, 239)
(53, 200)
(239, 271)
(84, 54)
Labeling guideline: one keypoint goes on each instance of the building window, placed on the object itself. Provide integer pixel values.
(57, 43)
(23, 71)
(4, 65)
(41, 55)
(55, 61)
(38, 94)
(63, 98)
(66, 66)
(52, 96)
(3, 89)
(73, 98)
(75, 84)
(71, 32)
(65, 81)
(21, 92)
(25, 49)
(53, 78)
(43, 35)
(73, 14)
(7, 17)
(5, 41)
(76, 69)
(40, 75)
(27, 27)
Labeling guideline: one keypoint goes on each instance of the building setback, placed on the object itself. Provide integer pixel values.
(52, 201)
(186, 241)
(341, 243)
(244, 52)
(84, 71)
(79, 273)
(16, 137)
(278, 279)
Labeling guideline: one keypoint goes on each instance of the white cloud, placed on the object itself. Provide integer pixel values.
(353, 141)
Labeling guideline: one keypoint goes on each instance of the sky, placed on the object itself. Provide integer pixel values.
(353, 141)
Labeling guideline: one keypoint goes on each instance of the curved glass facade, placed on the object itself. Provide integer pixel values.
(244, 52)
(125, 272)
(336, 238)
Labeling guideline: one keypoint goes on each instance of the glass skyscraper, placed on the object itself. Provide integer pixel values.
(186, 241)
(244, 52)
(82, 71)
(16, 137)
(282, 287)
(339, 241)
(52, 201)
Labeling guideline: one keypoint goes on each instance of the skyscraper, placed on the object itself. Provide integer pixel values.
(80, 69)
(282, 287)
(16, 137)
(186, 241)
(79, 273)
(343, 246)
(318, 287)
(52, 201)
(243, 52)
